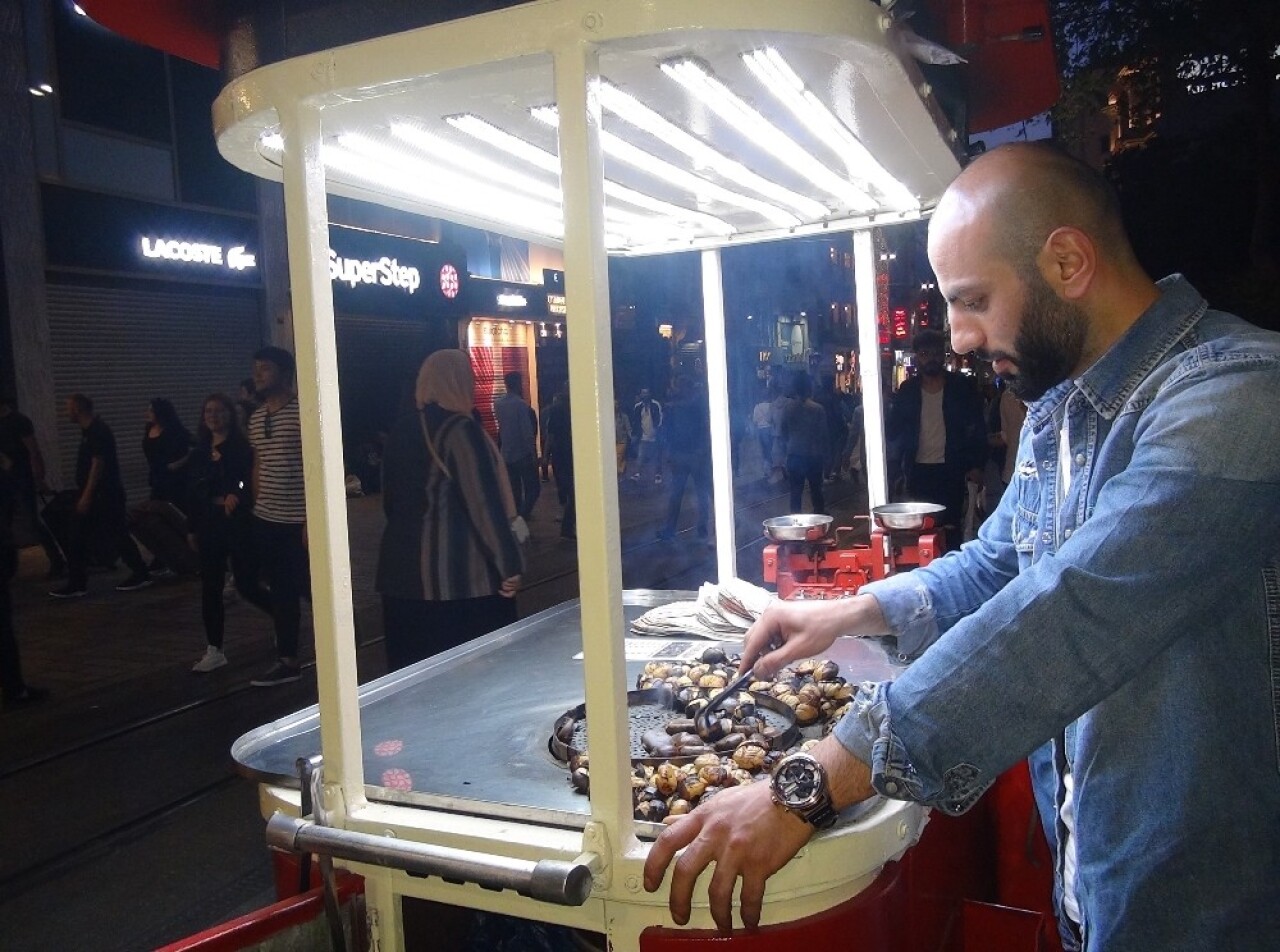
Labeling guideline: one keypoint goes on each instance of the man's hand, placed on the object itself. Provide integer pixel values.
(510, 587)
(229, 503)
(745, 834)
(82, 505)
(807, 629)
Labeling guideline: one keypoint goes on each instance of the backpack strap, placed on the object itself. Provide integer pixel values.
(431, 446)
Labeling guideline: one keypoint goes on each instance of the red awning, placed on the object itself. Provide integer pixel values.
(189, 29)
(1013, 73)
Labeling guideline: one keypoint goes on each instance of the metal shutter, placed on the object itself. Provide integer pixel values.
(378, 361)
(121, 347)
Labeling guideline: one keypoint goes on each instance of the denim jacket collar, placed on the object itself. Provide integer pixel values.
(1113, 377)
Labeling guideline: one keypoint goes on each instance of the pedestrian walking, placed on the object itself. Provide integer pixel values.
(98, 512)
(279, 506)
(219, 507)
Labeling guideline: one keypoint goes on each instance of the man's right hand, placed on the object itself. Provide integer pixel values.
(806, 629)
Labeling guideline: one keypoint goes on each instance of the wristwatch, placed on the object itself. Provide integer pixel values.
(799, 784)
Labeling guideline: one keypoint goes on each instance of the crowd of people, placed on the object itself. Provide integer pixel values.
(229, 498)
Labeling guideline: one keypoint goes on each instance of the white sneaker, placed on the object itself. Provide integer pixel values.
(212, 660)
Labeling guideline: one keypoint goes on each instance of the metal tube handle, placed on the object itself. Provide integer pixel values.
(567, 884)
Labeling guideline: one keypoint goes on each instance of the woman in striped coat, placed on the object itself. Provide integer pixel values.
(449, 565)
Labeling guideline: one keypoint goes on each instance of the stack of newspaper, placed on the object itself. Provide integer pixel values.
(721, 612)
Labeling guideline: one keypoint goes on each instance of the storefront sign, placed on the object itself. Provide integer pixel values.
(236, 258)
(386, 275)
(493, 298)
(901, 327)
(388, 272)
(553, 282)
(450, 284)
(107, 234)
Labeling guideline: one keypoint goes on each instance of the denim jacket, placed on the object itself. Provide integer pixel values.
(1130, 630)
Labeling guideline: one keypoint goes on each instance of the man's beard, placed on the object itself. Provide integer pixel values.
(1049, 345)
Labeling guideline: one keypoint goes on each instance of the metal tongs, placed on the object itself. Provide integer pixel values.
(702, 720)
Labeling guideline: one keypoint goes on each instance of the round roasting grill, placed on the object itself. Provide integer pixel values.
(652, 709)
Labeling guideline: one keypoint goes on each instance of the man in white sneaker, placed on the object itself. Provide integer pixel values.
(279, 505)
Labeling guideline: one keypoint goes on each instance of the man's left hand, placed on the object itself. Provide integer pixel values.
(745, 834)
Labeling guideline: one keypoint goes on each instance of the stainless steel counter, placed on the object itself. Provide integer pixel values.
(467, 730)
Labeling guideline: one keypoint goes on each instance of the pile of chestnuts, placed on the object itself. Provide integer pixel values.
(738, 744)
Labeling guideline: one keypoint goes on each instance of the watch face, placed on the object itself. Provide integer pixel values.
(798, 782)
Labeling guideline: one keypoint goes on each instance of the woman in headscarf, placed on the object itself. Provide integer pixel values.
(449, 565)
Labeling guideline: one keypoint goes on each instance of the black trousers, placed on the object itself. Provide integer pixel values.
(224, 539)
(801, 470)
(282, 555)
(942, 484)
(109, 522)
(525, 485)
(10, 663)
(414, 629)
(684, 468)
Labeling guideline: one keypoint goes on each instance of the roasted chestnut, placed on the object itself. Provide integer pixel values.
(681, 725)
(807, 714)
(696, 750)
(654, 811)
(714, 655)
(653, 739)
(690, 788)
(713, 776)
(678, 807)
(810, 693)
(665, 778)
(706, 760)
(825, 671)
(729, 742)
(581, 779)
(750, 755)
(715, 728)
(564, 730)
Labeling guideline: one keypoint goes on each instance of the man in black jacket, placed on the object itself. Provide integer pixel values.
(99, 510)
(936, 431)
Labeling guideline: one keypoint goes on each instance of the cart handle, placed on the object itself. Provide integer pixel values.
(567, 884)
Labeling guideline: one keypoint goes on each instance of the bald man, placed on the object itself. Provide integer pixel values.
(1117, 620)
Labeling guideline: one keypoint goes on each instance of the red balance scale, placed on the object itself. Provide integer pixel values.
(806, 560)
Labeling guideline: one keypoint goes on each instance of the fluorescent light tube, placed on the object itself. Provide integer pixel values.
(777, 76)
(548, 161)
(629, 109)
(698, 80)
(701, 189)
